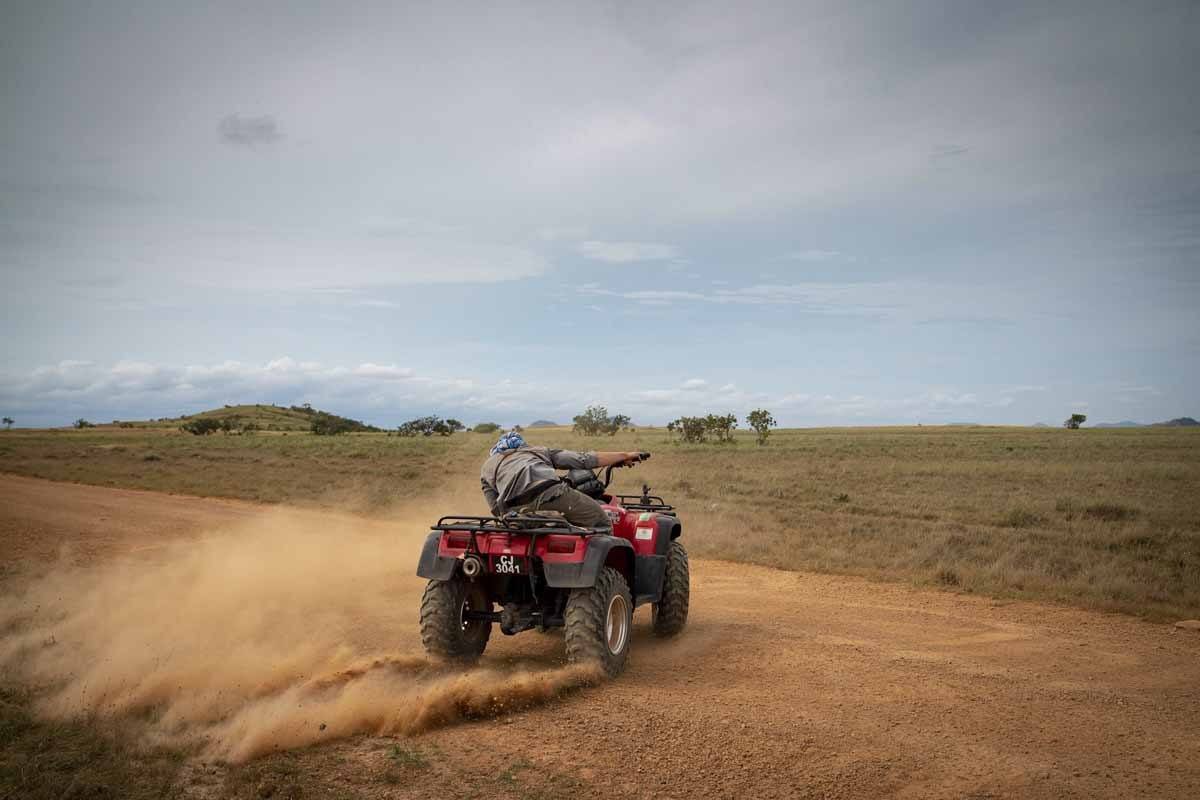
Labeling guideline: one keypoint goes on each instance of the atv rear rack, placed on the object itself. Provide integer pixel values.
(526, 524)
(643, 502)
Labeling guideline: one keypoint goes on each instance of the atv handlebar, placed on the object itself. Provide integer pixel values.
(641, 456)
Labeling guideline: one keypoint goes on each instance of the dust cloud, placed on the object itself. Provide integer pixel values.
(291, 628)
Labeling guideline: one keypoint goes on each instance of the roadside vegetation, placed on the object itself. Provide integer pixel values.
(1106, 519)
(428, 426)
(595, 421)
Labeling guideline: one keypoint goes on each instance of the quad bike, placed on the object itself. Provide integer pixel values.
(545, 573)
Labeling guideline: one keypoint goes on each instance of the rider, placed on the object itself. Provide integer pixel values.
(520, 478)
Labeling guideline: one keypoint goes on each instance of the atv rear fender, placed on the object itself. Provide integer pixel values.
(433, 566)
(602, 551)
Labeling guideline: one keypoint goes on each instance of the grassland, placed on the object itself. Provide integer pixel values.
(1106, 519)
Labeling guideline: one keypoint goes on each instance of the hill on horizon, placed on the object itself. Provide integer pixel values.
(1178, 422)
(264, 416)
(542, 423)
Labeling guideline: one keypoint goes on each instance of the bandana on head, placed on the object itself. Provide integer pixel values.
(509, 441)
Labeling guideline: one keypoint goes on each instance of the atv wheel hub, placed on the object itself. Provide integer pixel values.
(616, 626)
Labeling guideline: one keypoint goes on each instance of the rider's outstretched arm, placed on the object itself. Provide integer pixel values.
(612, 459)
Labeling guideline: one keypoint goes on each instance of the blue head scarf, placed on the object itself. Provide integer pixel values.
(509, 441)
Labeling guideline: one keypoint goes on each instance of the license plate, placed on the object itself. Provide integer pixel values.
(507, 565)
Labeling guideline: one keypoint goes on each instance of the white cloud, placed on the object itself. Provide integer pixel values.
(389, 393)
(559, 233)
(626, 252)
(815, 255)
(588, 141)
(276, 258)
(390, 372)
(909, 300)
(405, 227)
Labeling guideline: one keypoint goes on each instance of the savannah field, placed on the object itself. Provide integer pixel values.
(1106, 519)
(876, 612)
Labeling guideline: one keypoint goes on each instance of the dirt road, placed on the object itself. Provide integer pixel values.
(783, 684)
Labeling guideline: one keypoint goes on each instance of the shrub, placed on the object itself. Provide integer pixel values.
(428, 426)
(486, 427)
(325, 424)
(83, 423)
(721, 426)
(697, 430)
(690, 429)
(595, 421)
(202, 426)
(1074, 421)
(761, 421)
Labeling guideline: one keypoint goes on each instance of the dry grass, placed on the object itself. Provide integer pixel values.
(1105, 519)
(81, 758)
(359, 472)
(1101, 519)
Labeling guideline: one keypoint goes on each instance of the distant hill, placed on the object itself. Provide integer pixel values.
(1039, 425)
(542, 423)
(1179, 422)
(265, 417)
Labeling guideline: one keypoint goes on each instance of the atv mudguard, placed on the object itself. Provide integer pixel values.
(432, 566)
(582, 574)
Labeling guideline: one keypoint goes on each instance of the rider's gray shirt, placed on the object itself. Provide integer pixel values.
(506, 476)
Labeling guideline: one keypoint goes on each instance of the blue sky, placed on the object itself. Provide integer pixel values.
(846, 213)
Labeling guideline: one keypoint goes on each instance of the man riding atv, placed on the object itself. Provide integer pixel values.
(519, 478)
(584, 568)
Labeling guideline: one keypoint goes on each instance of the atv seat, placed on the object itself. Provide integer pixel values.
(543, 519)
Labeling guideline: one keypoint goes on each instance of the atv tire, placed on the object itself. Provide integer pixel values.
(599, 621)
(671, 611)
(444, 632)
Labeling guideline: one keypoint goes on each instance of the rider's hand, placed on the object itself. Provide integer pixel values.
(632, 458)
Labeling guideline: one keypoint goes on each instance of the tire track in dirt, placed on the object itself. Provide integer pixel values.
(783, 684)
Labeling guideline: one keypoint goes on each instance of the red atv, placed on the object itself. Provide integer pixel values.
(545, 573)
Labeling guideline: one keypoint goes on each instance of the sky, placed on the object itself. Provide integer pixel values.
(846, 213)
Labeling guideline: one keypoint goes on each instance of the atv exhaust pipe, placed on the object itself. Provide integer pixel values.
(472, 566)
